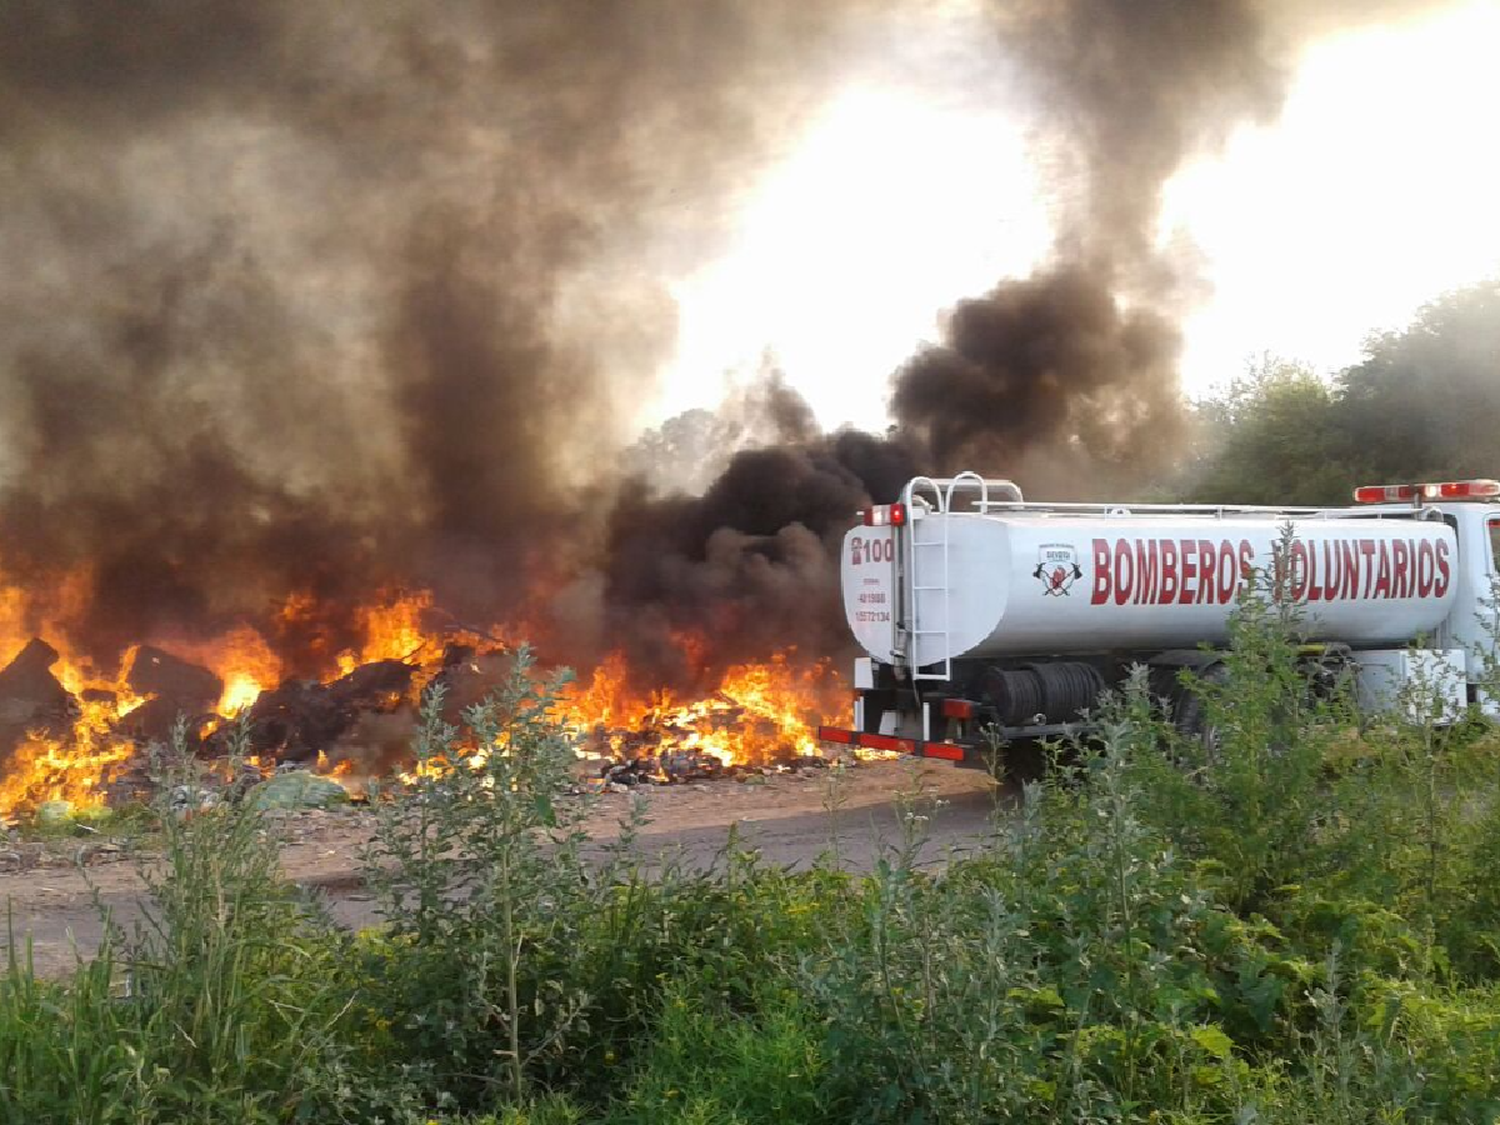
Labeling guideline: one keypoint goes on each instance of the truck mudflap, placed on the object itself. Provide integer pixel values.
(947, 751)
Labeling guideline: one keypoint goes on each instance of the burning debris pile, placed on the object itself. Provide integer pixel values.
(760, 714)
(70, 735)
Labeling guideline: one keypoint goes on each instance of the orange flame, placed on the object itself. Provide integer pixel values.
(76, 766)
(394, 631)
(243, 660)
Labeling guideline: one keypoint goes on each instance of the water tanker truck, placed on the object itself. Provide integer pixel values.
(981, 614)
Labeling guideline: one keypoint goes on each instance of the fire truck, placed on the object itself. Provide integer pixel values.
(984, 615)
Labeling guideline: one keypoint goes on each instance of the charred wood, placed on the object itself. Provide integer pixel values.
(31, 698)
(301, 717)
(157, 672)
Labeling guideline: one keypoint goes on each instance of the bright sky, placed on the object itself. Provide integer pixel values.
(1376, 190)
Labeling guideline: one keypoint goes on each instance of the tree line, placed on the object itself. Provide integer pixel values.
(1423, 404)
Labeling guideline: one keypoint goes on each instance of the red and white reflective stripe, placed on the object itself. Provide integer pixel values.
(885, 515)
(945, 750)
(1436, 490)
(887, 742)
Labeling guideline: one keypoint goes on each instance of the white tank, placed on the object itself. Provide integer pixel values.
(1047, 583)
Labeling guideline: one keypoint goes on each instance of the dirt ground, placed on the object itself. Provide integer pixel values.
(55, 906)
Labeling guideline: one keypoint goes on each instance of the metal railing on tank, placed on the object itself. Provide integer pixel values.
(944, 490)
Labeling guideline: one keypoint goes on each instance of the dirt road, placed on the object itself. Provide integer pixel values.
(786, 818)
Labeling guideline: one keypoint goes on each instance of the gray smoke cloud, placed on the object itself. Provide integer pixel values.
(333, 297)
(330, 298)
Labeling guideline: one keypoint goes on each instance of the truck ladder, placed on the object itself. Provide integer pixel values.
(924, 586)
(925, 590)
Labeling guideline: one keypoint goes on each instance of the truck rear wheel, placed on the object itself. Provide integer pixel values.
(1190, 713)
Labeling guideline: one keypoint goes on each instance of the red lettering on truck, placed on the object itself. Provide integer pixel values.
(1298, 574)
(1426, 567)
(1206, 572)
(1208, 586)
(1124, 572)
(1349, 564)
(1169, 571)
(1170, 583)
(1332, 571)
(1367, 563)
(1383, 575)
(1189, 571)
(1228, 572)
(1147, 570)
(1101, 572)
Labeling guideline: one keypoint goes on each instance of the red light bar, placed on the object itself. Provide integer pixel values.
(1461, 490)
(958, 709)
(884, 515)
(1437, 490)
(1384, 493)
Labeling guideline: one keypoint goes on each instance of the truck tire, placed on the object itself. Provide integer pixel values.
(1190, 716)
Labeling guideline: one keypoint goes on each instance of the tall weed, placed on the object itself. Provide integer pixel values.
(477, 861)
(224, 1003)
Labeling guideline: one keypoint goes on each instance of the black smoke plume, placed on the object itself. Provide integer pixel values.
(1078, 363)
(1051, 363)
(749, 566)
(1073, 370)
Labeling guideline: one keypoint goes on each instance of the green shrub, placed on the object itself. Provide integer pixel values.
(730, 1069)
(1249, 800)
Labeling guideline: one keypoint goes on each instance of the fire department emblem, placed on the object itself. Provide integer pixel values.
(1057, 569)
